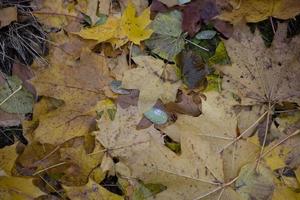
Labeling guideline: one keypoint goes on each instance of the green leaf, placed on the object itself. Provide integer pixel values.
(20, 102)
(168, 23)
(167, 40)
(220, 56)
(214, 82)
(112, 113)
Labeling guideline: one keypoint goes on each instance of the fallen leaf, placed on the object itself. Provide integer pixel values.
(18, 188)
(104, 6)
(119, 31)
(188, 104)
(220, 57)
(91, 190)
(255, 184)
(167, 40)
(8, 157)
(193, 69)
(258, 10)
(197, 12)
(259, 74)
(14, 98)
(84, 162)
(146, 78)
(283, 192)
(171, 3)
(92, 9)
(80, 93)
(8, 15)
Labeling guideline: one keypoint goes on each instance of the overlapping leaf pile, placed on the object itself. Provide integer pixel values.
(165, 101)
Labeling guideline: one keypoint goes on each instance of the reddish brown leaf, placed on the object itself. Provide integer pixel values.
(197, 12)
(130, 99)
(223, 27)
(188, 104)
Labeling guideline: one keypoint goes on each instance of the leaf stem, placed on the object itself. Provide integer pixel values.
(197, 45)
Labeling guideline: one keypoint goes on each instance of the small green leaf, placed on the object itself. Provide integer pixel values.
(206, 35)
(214, 82)
(156, 116)
(220, 56)
(112, 113)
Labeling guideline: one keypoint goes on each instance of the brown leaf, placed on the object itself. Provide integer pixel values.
(197, 12)
(130, 99)
(188, 104)
(223, 27)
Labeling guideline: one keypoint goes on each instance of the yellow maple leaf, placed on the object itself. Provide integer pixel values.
(135, 28)
(119, 31)
(102, 32)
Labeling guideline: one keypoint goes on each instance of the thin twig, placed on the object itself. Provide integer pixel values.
(12, 94)
(51, 187)
(265, 138)
(280, 142)
(50, 167)
(197, 45)
(244, 132)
